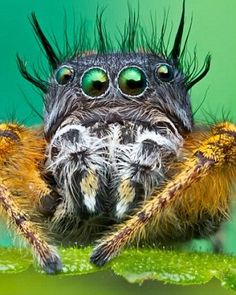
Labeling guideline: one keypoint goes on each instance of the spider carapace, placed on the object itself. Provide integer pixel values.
(119, 157)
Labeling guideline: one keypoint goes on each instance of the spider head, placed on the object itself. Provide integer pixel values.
(130, 86)
(114, 119)
(113, 88)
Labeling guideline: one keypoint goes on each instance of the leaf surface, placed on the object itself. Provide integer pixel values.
(136, 266)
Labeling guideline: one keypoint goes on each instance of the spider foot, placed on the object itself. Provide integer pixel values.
(51, 264)
(102, 254)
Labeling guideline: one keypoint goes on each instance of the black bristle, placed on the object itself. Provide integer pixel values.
(176, 50)
(36, 81)
(133, 38)
(201, 73)
(103, 42)
(52, 57)
(129, 37)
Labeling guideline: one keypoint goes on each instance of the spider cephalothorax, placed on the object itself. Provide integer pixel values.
(114, 121)
(119, 146)
(113, 126)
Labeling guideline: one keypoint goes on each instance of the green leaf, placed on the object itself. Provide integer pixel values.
(137, 265)
(14, 260)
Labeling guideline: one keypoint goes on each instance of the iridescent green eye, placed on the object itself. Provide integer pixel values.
(64, 75)
(164, 72)
(132, 81)
(95, 82)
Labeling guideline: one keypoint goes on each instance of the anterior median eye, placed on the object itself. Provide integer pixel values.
(132, 81)
(95, 82)
(64, 75)
(164, 72)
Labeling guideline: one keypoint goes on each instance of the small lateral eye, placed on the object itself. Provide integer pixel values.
(132, 81)
(64, 75)
(164, 72)
(95, 82)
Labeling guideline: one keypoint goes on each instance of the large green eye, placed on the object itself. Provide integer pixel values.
(64, 75)
(164, 72)
(95, 82)
(132, 81)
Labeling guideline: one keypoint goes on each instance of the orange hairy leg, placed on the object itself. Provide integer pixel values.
(21, 188)
(202, 185)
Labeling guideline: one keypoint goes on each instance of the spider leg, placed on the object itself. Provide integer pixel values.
(138, 172)
(75, 159)
(141, 168)
(21, 189)
(216, 154)
(45, 254)
(218, 242)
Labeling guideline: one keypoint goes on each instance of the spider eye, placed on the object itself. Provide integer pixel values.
(95, 82)
(64, 75)
(164, 73)
(132, 81)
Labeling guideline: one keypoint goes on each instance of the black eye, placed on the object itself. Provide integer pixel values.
(95, 82)
(132, 81)
(64, 75)
(164, 72)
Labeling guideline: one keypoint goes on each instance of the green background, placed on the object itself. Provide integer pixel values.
(213, 31)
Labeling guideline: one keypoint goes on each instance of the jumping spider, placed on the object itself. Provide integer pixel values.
(118, 157)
